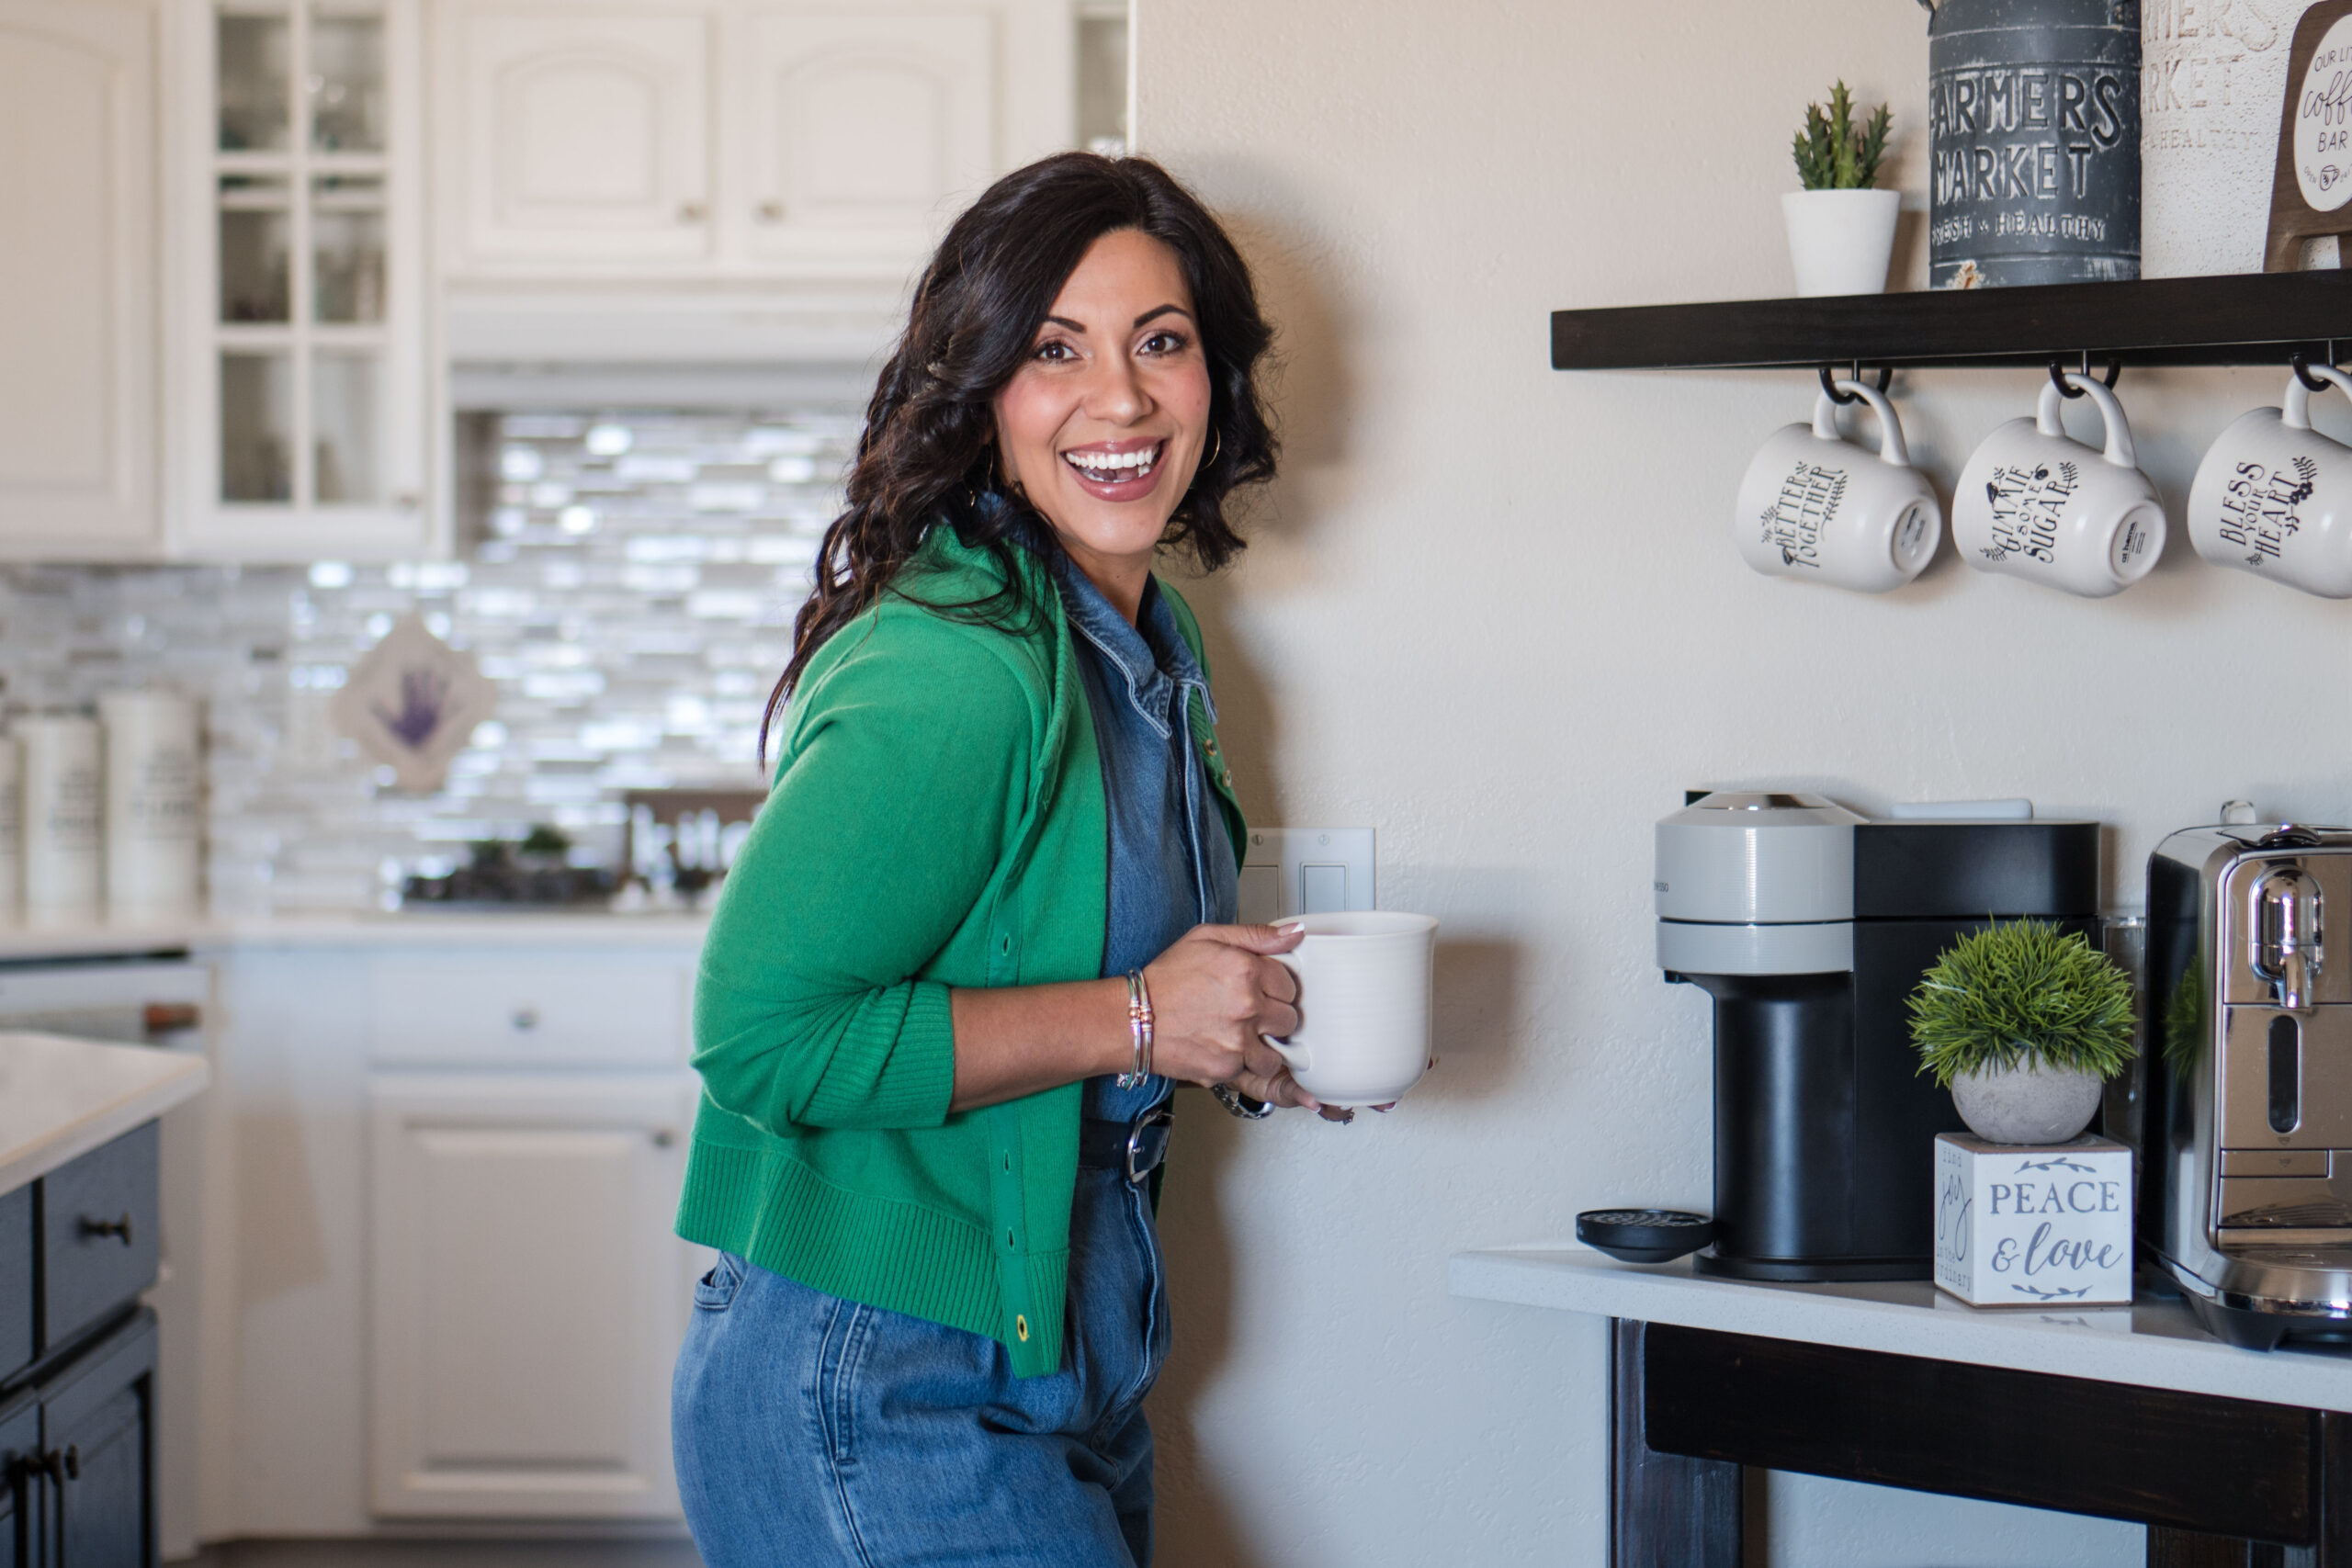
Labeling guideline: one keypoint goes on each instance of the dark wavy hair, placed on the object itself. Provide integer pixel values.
(928, 453)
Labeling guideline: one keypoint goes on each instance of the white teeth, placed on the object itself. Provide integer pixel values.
(1109, 468)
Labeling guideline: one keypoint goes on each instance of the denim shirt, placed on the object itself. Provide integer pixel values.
(1172, 863)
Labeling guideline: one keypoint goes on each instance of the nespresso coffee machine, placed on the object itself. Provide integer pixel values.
(1810, 926)
(2246, 1135)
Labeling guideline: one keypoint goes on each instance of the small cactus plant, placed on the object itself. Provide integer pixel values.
(1832, 153)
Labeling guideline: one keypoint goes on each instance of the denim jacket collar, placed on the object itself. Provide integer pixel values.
(1150, 656)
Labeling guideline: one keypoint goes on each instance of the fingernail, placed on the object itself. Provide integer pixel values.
(1286, 927)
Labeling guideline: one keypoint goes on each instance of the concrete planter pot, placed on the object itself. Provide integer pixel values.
(2026, 1104)
(1840, 241)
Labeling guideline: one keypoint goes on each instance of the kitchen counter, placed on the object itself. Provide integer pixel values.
(2154, 1344)
(2128, 1413)
(21, 942)
(60, 1097)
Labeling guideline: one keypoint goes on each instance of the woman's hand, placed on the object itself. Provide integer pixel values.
(1214, 992)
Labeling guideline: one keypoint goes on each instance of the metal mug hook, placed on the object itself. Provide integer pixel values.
(2302, 368)
(1829, 380)
(2058, 374)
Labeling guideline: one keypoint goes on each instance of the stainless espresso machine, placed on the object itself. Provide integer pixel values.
(1810, 926)
(2245, 1138)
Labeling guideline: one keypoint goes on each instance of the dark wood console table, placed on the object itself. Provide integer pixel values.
(2230, 1457)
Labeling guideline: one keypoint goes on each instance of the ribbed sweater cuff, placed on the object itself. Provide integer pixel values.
(918, 1079)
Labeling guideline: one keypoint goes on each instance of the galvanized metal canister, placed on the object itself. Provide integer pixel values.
(2033, 114)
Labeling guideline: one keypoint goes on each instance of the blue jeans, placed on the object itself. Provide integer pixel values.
(809, 1430)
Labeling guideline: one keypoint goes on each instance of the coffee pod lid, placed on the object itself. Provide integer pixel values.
(1644, 1235)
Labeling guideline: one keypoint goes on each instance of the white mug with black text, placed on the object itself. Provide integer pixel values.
(2274, 496)
(2036, 503)
(1818, 507)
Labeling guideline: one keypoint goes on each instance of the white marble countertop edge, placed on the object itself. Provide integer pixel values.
(165, 1079)
(2164, 1350)
(21, 942)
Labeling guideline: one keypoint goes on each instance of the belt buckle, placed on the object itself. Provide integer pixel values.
(1158, 1118)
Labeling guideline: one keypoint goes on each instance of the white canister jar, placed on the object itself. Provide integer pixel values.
(61, 816)
(154, 790)
(2214, 80)
(12, 829)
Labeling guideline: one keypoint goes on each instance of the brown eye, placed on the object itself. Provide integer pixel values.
(1164, 343)
(1055, 352)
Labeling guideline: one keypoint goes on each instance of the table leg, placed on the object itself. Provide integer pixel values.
(1665, 1511)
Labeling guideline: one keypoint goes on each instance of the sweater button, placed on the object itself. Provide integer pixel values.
(1021, 1327)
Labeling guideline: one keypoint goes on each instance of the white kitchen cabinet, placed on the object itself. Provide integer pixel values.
(418, 1189)
(739, 139)
(529, 1295)
(862, 127)
(78, 280)
(300, 335)
(583, 138)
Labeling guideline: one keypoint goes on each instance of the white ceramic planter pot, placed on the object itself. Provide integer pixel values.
(1841, 241)
(2026, 1104)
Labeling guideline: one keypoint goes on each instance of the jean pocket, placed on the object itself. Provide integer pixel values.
(715, 1290)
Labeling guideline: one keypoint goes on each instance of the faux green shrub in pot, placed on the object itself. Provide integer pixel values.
(2023, 1022)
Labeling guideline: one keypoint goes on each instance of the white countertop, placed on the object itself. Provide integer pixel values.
(60, 1098)
(423, 928)
(2154, 1344)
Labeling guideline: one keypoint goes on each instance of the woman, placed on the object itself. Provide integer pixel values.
(984, 919)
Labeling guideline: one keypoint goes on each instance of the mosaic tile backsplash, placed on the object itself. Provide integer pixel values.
(629, 587)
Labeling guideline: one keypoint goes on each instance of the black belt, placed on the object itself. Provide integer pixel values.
(1131, 1148)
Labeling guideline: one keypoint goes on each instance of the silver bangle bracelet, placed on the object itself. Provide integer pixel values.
(1138, 1031)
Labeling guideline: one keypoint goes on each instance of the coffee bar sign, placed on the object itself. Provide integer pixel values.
(2032, 1224)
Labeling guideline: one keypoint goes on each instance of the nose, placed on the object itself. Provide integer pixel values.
(1114, 393)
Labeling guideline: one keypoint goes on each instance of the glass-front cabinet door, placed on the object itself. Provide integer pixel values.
(315, 442)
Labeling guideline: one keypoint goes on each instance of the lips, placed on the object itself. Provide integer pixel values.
(1118, 471)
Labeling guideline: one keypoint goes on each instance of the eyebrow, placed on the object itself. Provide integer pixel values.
(1155, 311)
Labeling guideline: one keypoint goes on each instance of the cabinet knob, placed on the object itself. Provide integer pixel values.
(527, 1020)
(771, 211)
(663, 1137)
(405, 501)
(99, 1230)
(690, 212)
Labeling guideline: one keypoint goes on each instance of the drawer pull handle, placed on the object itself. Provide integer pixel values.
(527, 1019)
(99, 1230)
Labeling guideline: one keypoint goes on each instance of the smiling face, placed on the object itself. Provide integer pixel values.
(1105, 422)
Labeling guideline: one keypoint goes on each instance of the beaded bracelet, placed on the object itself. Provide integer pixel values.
(1139, 1027)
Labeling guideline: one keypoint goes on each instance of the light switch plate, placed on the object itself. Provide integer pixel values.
(1303, 871)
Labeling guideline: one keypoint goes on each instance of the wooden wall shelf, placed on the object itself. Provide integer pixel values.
(2253, 319)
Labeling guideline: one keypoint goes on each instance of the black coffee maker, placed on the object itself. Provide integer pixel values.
(1810, 926)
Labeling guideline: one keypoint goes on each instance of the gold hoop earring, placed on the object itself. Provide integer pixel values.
(1216, 445)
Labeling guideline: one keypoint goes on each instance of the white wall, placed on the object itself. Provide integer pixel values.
(1495, 611)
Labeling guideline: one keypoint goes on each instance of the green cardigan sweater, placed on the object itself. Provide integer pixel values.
(936, 820)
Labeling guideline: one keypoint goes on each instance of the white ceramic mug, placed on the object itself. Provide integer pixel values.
(2270, 497)
(1363, 1005)
(2035, 504)
(1815, 505)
